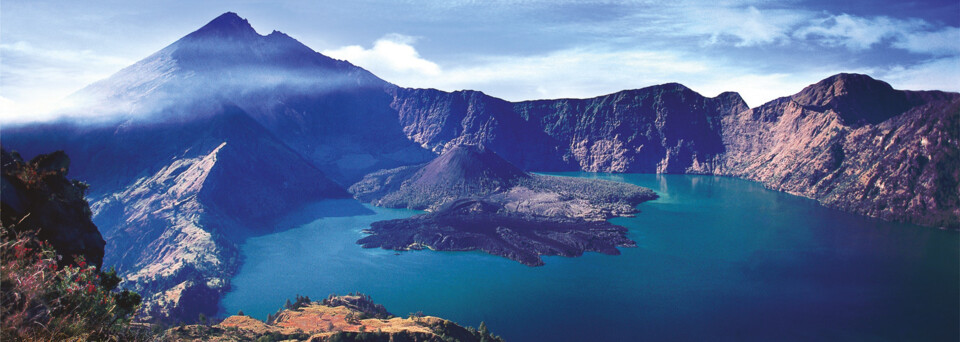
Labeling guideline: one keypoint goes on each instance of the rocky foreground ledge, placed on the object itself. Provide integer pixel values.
(478, 201)
(336, 318)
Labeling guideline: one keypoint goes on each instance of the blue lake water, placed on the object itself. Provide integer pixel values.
(718, 259)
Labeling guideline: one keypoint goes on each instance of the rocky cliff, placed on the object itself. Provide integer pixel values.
(38, 198)
(849, 141)
(666, 128)
(854, 143)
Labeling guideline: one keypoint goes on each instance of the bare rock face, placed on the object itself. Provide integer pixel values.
(854, 143)
(439, 121)
(666, 128)
(38, 197)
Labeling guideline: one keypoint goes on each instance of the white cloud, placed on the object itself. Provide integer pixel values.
(935, 74)
(588, 72)
(855, 33)
(944, 41)
(860, 33)
(748, 26)
(390, 56)
(33, 80)
(62, 56)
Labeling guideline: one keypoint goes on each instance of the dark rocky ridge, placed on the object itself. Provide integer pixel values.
(38, 197)
(472, 224)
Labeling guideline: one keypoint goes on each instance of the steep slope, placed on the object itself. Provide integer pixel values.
(176, 230)
(333, 113)
(439, 121)
(855, 143)
(664, 129)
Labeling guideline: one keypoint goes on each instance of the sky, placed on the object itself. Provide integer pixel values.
(515, 50)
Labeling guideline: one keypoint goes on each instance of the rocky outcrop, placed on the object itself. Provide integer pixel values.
(331, 320)
(855, 143)
(38, 198)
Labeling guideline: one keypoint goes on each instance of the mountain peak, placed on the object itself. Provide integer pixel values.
(226, 25)
(470, 162)
(858, 99)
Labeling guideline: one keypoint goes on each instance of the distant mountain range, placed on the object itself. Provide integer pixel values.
(219, 134)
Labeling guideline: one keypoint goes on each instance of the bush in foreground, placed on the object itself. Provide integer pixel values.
(45, 302)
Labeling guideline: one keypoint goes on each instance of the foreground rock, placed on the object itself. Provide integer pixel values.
(338, 318)
(478, 201)
(38, 197)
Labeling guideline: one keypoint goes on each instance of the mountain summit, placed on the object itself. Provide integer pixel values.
(227, 25)
(858, 99)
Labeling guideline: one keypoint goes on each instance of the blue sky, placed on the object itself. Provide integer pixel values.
(516, 50)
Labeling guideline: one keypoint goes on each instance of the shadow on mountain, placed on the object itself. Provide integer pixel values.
(322, 209)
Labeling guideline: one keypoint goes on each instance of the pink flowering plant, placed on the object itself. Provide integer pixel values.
(45, 302)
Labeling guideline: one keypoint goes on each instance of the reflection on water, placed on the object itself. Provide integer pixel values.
(717, 259)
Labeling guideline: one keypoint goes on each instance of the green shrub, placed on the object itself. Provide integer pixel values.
(44, 302)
